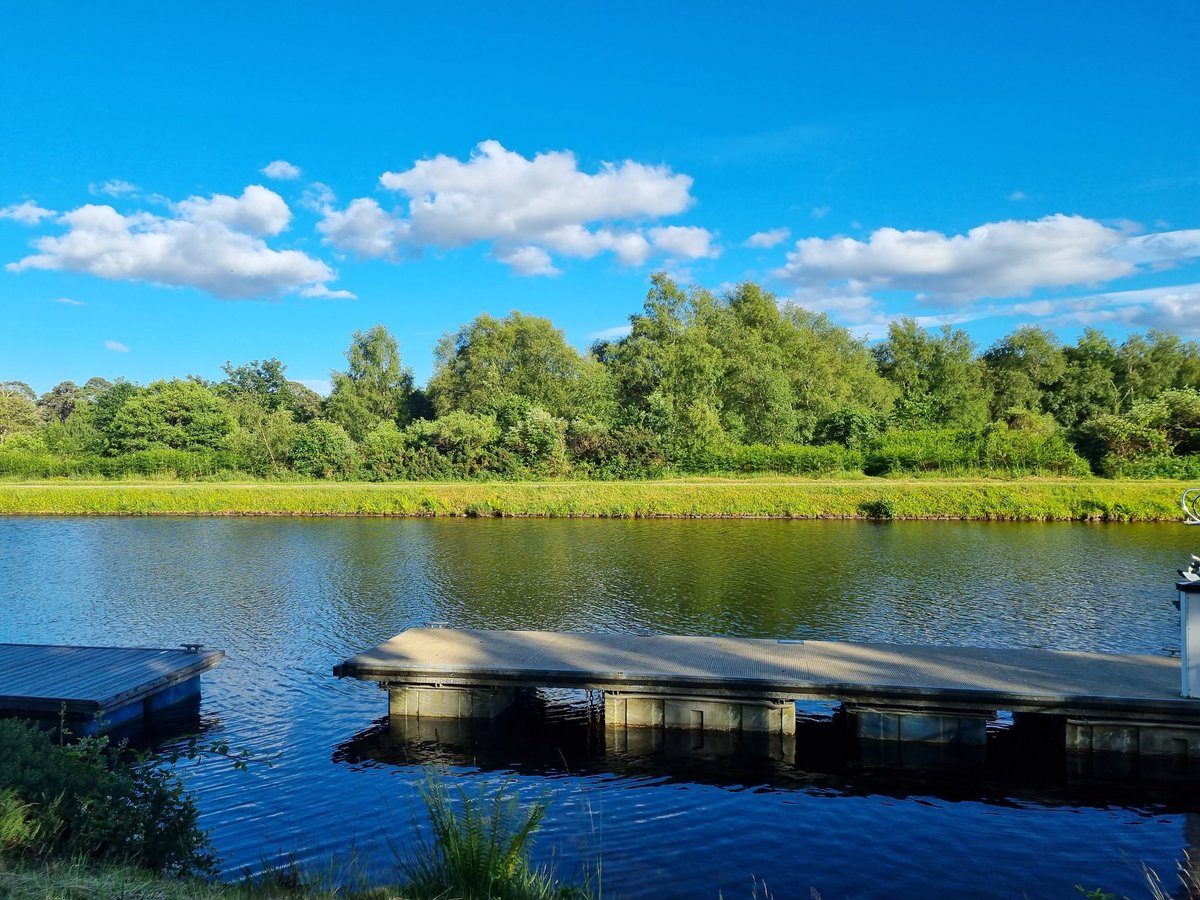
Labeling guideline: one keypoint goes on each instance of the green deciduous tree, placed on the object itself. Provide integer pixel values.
(1149, 364)
(939, 381)
(490, 359)
(263, 382)
(375, 386)
(179, 414)
(18, 409)
(699, 370)
(1021, 372)
(1088, 386)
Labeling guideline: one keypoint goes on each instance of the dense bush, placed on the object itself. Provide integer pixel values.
(1182, 468)
(87, 801)
(784, 459)
(322, 449)
(994, 449)
(159, 461)
(163, 461)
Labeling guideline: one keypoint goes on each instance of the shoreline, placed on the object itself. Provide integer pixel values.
(1090, 500)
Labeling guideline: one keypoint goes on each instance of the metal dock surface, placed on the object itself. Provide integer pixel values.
(116, 684)
(1044, 681)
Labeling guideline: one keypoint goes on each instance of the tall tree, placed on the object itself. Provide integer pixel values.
(668, 371)
(787, 368)
(488, 361)
(1088, 386)
(18, 410)
(375, 386)
(59, 402)
(263, 382)
(1155, 362)
(938, 378)
(1022, 370)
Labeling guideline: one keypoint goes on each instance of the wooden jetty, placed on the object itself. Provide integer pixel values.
(99, 688)
(1104, 701)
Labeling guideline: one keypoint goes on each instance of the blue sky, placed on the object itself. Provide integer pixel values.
(182, 185)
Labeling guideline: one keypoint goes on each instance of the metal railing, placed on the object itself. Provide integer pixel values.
(1191, 506)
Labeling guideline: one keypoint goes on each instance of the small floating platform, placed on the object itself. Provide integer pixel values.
(99, 688)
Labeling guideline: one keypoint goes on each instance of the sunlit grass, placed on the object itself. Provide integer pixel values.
(710, 497)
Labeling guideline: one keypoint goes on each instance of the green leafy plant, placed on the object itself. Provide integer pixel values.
(90, 800)
(478, 847)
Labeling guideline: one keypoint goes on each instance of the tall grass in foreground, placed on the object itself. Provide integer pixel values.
(1189, 880)
(478, 849)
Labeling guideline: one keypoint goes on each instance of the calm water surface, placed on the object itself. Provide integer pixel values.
(287, 599)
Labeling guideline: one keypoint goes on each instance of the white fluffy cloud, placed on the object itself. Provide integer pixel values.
(116, 347)
(363, 228)
(995, 260)
(527, 260)
(684, 242)
(526, 209)
(27, 213)
(281, 169)
(212, 243)
(765, 240)
(67, 301)
(258, 211)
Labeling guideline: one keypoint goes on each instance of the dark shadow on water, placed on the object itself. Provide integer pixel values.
(1020, 766)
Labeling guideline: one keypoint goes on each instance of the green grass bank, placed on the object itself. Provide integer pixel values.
(1016, 500)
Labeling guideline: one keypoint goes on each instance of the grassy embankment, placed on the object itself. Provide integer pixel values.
(765, 497)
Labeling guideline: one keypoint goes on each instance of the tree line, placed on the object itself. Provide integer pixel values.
(702, 383)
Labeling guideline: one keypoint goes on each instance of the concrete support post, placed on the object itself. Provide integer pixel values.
(757, 715)
(449, 702)
(1152, 751)
(1136, 738)
(926, 726)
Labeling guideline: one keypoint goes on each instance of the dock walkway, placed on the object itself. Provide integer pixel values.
(1101, 701)
(98, 687)
(1050, 681)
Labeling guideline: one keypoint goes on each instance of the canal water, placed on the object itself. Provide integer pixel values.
(288, 598)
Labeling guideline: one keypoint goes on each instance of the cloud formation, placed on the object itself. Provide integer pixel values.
(216, 244)
(995, 260)
(321, 291)
(1173, 308)
(27, 213)
(525, 209)
(281, 169)
(67, 301)
(115, 347)
(765, 240)
(114, 187)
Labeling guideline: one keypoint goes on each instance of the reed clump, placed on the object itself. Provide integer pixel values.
(478, 848)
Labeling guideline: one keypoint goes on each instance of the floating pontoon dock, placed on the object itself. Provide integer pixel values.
(98, 688)
(1108, 701)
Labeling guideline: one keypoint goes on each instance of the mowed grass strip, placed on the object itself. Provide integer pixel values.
(1031, 500)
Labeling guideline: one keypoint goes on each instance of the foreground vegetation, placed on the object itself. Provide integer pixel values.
(87, 819)
(1023, 500)
(701, 385)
